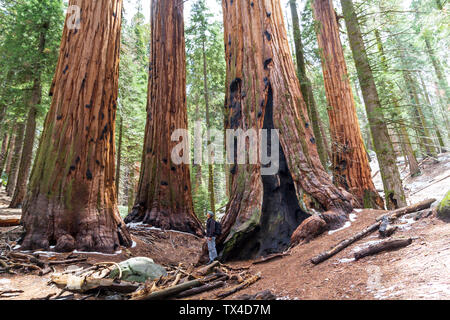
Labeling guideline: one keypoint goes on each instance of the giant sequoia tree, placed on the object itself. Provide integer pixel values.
(264, 93)
(71, 201)
(351, 168)
(164, 195)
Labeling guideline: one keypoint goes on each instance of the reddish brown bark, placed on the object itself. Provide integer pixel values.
(263, 92)
(71, 201)
(351, 168)
(164, 196)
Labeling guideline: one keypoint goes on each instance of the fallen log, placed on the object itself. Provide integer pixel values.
(247, 283)
(168, 292)
(52, 263)
(270, 257)
(391, 216)
(81, 284)
(29, 258)
(345, 243)
(9, 292)
(387, 245)
(9, 221)
(202, 289)
(388, 231)
(208, 269)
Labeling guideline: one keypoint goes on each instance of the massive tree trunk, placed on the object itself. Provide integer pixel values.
(305, 85)
(71, 201)
(164, 196)
(15, 160)
(350, 162)
(263, 93)
(393, 189)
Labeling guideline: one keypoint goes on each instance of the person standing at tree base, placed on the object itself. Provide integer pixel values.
(211, 232)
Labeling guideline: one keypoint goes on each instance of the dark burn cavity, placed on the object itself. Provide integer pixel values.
(281, 212)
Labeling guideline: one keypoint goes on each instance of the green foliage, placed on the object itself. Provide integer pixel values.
(22, 24)
(205, 32)
(132, 102)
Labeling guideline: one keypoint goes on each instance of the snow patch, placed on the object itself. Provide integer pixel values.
(346, 260)
(46, 253)
(346, 225)
(366, 245)
(99, 253)
(5, 281)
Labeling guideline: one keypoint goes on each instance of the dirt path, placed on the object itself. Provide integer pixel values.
(419, 271)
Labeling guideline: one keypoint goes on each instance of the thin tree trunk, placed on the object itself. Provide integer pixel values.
(437, 69)
(196, 166)
(404, 136)
(5, 148)
(164, 195)
(71, 201)
(414, 169)
(422, 128)
(212, 200)
(9, 157)
(393, 189)
(131, 186)
(265, 208)
(305, 85)
(119, 157)
(15, 160)
(350, 162)
(27, 150)
(433, 117)
(30, 133)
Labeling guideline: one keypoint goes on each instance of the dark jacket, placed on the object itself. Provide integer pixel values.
(210, 228)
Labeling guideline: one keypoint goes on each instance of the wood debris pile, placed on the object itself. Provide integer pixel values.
(180, 283)
(13, 262)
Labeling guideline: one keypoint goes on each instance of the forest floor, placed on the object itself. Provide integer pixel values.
(419, 271)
